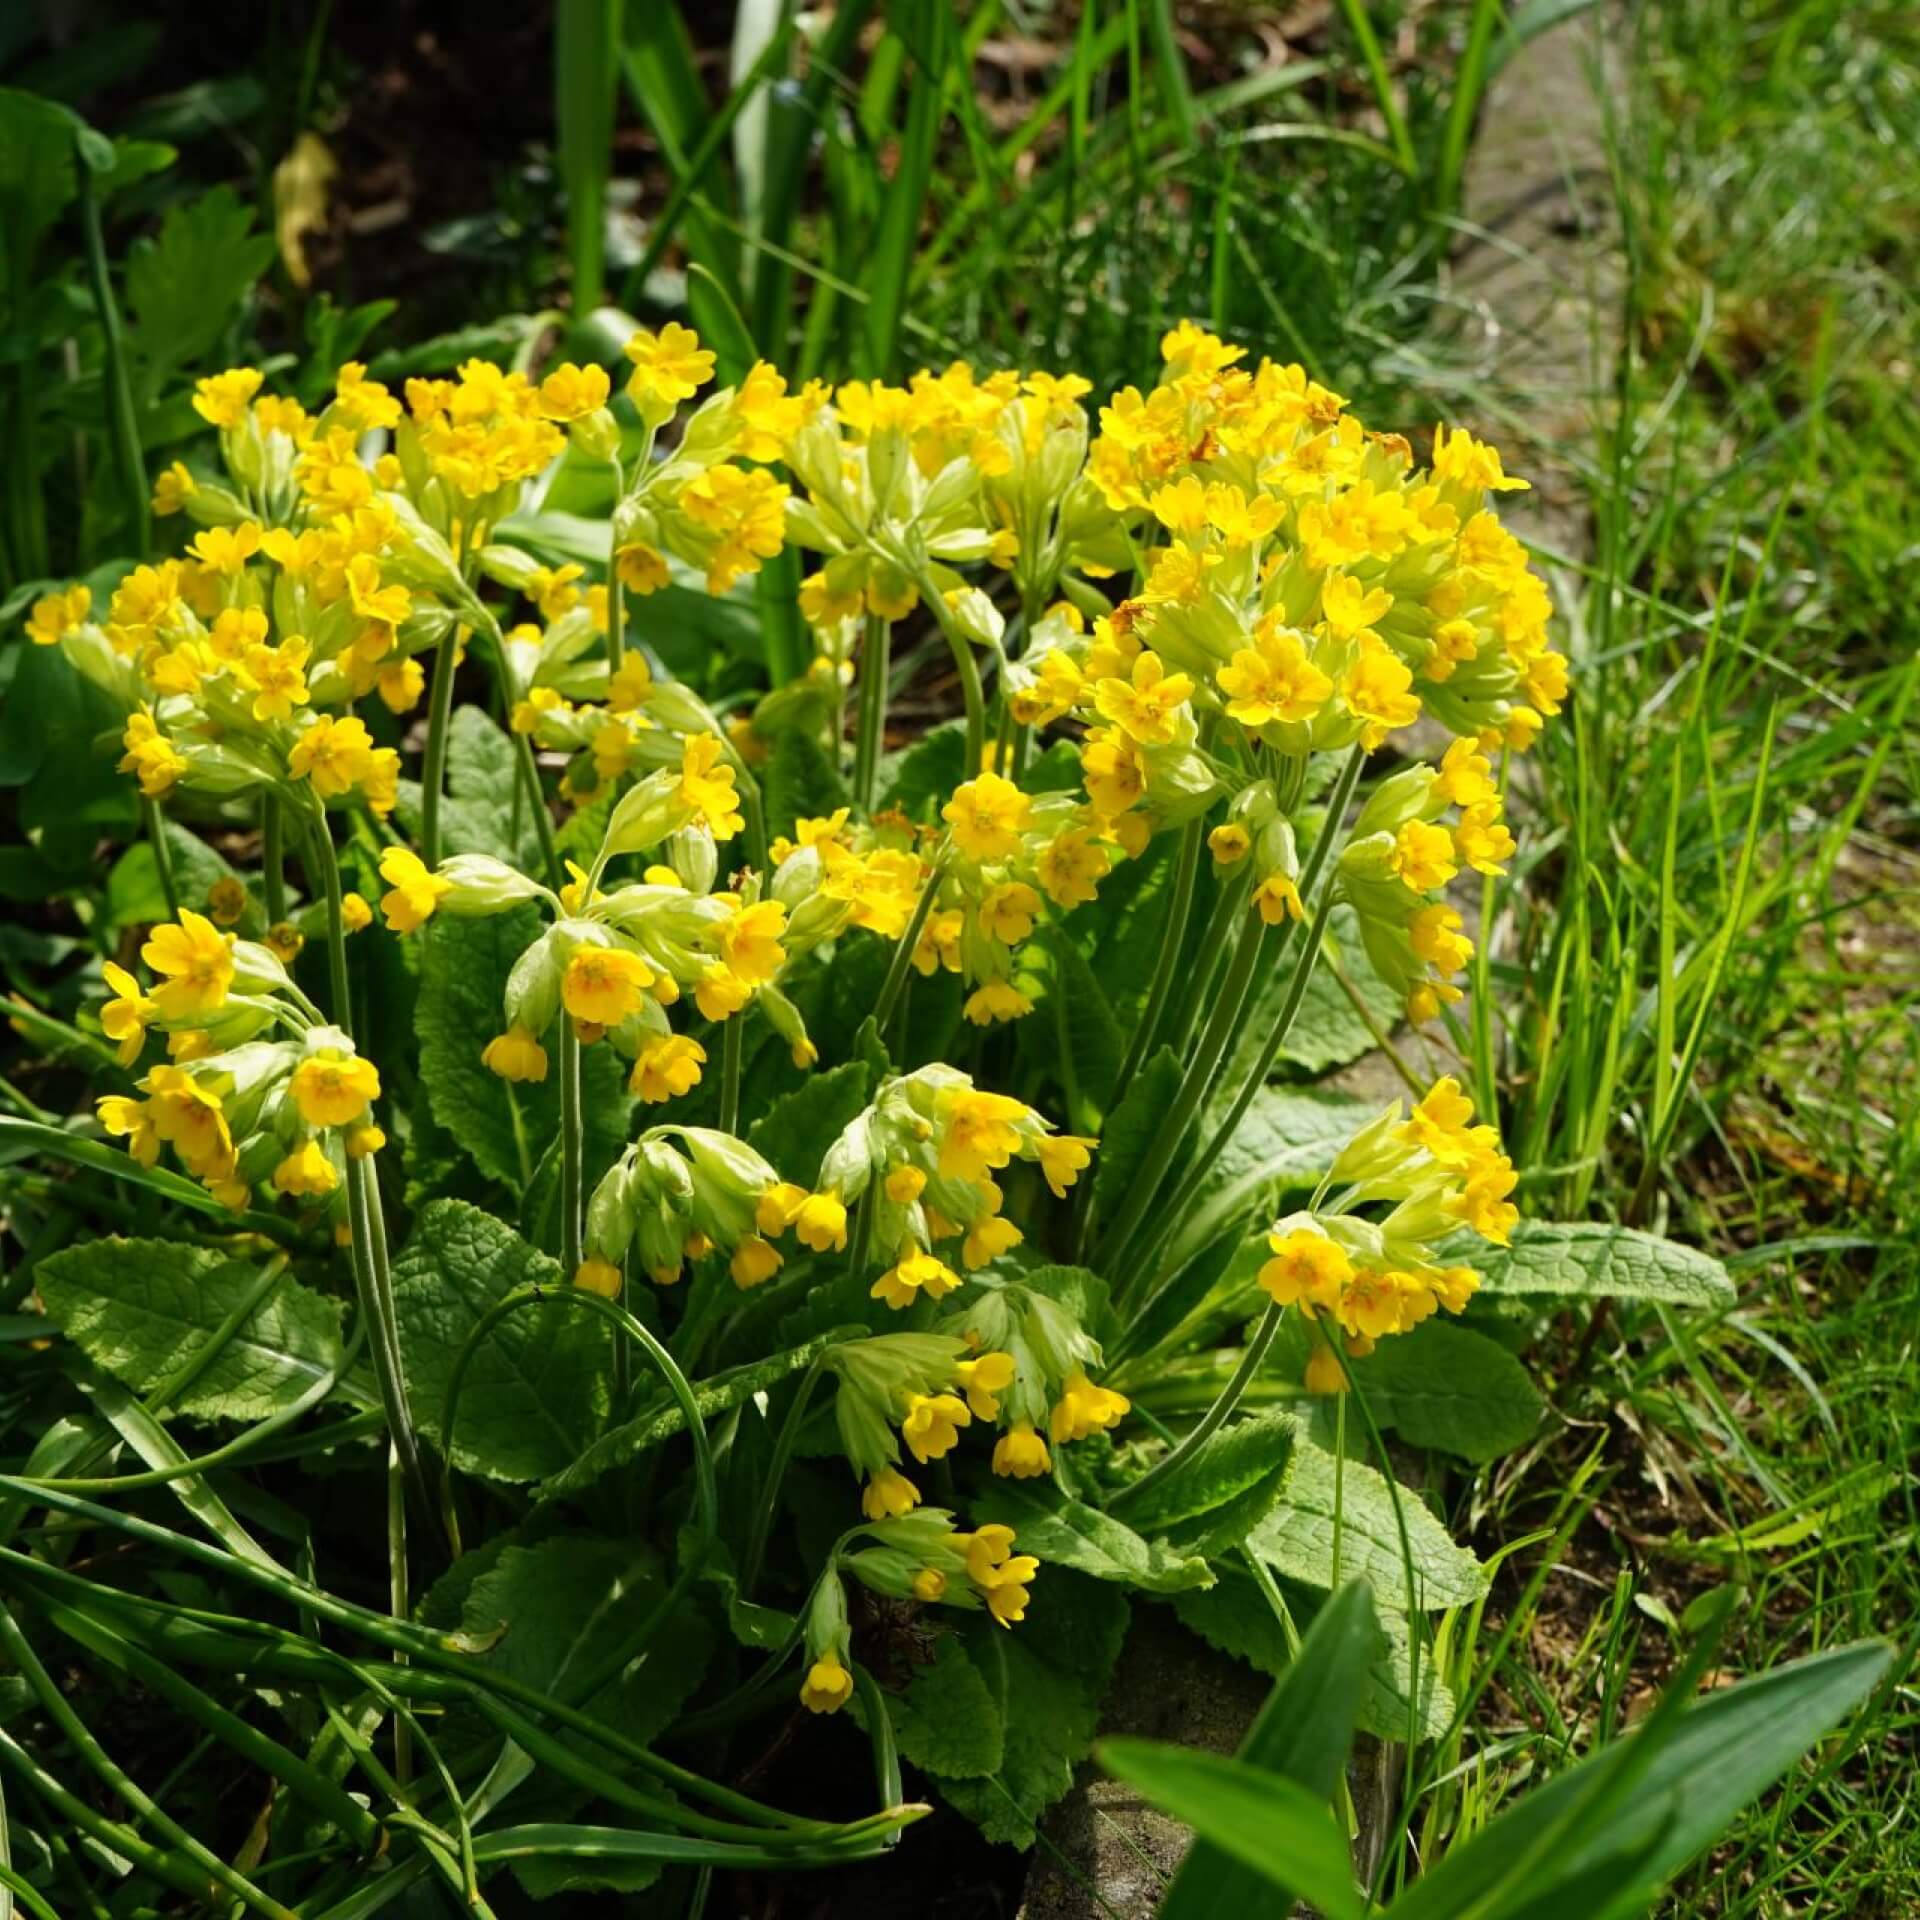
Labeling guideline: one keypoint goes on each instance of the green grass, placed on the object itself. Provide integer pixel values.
(1712, 975)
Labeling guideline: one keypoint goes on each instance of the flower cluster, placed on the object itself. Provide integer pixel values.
(1426, 1177)
(258, 1091)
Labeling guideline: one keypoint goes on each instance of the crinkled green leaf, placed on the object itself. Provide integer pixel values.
(1225, 1487)
(538, 1386)
(183, 285)
(1297, 1538)
(1594, 1258)
(1069, 1533)
(1130, 1130)
(1047, 1677)
(142, 1309)
(917, 779)
(946, 1719)
(1445, 1386)
(797, 1129)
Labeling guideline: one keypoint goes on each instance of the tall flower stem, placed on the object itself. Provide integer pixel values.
(537, 799)
(875, 664)
(367, 1247)
(572, 1144)
(965, 666)
(162, 854)
(616, 597)
(433, 765)
(273, 854)
(903, 954)
(1215, 1416)
(732, 1047)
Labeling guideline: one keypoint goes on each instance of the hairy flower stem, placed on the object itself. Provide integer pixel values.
(875, 665)
(616, 594)
(903, 954)
(1195, 1177)
(769, 1506)
(542, 819)
(273, 855)
(572, 1144)
(433, 764)
(367, 1247)
(1210, 1422)
(732, 1048)
(156, 826)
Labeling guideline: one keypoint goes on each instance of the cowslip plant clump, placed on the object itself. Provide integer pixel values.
(1179, 628)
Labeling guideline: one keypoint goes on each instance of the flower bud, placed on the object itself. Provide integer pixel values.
(533, 987)
(596, 435)
(479, 884)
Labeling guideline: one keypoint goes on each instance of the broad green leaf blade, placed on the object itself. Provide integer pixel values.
(1446, 1386)
(1720, 1754)
(142, 1309)
(947, 1721)
(538, 1386)
(1047, 1678)
(1264, 1820)
(795, 1132)
(1225, 1466)
(1069, 1533)
(1596, 1259)
(182, 287)
(1130, 1131)
(1297, 1539)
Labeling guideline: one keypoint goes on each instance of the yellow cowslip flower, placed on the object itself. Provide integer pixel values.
(1481, 841)
(227, 901)
(769, 416)
(515, 1055)
(1112, 771)
(1346, 606)
(1422, 857)
(981, 1134)
(125, 1017)
(1083, 1408)
(668, 367)
(1307, 1269)
(707, 785)
(1071, 866)
(1146, 706)
(750, 941)
(367, 403)
(306, 1171)
(197, 960)
(284, 941)
(666, 1067)
(57, 614)
(982, 1380)
(334, 754)
(221, 398)
(1229, 844)
(932, 1425)
(988, 1238)
(820, 1221)
(1273, 680)
(400, 684)
(987, 815)
(746, 507)
(721, 992)
(334, 1089)
(888, 1494)
(1468, 462)
(173, 487)
(1021, 1454)
(379, 605)
(132, 1121)
(598, 1276)
(630, 685)
(1465, 777)
(1437, 941)
(572, 392)
(364, 1141)
(1483, 1204)
(416, 890)
(226, 550)
(150, 755)
(278, 677)
(1238, 520)
(1063, 1158)
(641, 568)
(1006, 912)
(755, 1261)
(1002, 1575)
(602, 986)
(828, 1685)
(913, 1274)
(996, 1000)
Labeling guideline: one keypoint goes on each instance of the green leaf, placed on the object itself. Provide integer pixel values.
(142, 1310)
(1297, 1538)
(538, 1386)
(797, 1129)
(1069, 1533)
(1264, 1820)
(1327, 1032)
(1449, 1387)
(1226, 1486)
(1303, 1732)
(1236, 1617)
(1715, 1758)
(800, 782)
(1091, 1045)
(1286, 1140)
(504, 1126)
(947, 1720)
(1046, 1678)
(484, 809)
(1130, 1130)
(716, 1396)
(1595, 1258)
(182, 286)
(36, 173)
(926, 772)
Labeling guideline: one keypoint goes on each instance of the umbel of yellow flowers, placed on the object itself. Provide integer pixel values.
(1201, 590)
